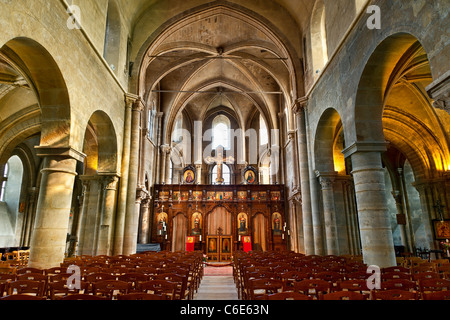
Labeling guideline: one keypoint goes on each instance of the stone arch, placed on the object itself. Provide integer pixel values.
(101, 134)
(328, 129)
(36, 65)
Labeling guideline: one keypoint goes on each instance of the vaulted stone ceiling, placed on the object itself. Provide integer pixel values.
(221, 57)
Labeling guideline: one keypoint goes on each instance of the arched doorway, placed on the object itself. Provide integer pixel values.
(260, 232)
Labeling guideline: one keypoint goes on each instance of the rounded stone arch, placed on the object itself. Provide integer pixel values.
(328, 130)
(377, 79)
(39, 69)
(101, 136)
(111, 51)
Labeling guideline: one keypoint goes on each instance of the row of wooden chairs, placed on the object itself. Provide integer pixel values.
(264, 275)
(184, 271)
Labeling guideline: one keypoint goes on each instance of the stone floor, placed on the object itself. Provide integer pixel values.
(217, 285)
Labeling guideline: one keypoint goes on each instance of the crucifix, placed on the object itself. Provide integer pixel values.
(219, 159)
(439, 208)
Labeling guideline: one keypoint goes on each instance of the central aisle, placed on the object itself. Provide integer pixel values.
(216, 285)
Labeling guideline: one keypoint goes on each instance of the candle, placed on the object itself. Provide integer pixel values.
(200, 238)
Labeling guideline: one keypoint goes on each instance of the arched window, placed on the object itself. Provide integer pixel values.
(226, 174)
(263, 133)
(221, 128)
(5, 178)
(112, 47)
(12, 183)
(319, 44)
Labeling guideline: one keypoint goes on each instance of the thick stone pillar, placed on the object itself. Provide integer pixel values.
(165, 155)
(376, 234)
(145, 222)
(132, 217)
(326, 181)
(33, 194)
(308, 231)
(106, 232)
(123, 187)
(49, 236)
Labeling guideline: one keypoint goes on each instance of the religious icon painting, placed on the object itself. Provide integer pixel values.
(161, 228)
(196, 224)
(242, 195)
(442, 229)
(242, 224)
(250, 175)
(276, 224)
(189, 175)
(197, 195)
(212, 245)
(226, 245)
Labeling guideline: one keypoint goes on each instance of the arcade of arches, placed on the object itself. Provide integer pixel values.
(287, 121)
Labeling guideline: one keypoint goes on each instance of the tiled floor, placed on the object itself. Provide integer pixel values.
(217, 288)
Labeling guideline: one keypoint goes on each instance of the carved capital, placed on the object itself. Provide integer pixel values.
(300, 105)
(326, 179)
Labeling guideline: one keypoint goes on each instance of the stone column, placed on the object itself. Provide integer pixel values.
(48, 240)
(104, 243)
(308, 232)
(157, 170)
(426, 203)
(326, 181)
(400, 214)
(295, 161)
(376, 234)
(123, 188)
(132, 217)
(33, 194)
(198, 168)
(82, 216)
(145, 222)
(165, 153)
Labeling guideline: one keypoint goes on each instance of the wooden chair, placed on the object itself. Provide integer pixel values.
(22, 297)
(3, 288)
(395, 275)
(36, 288)
(425, 275)
(399, 284)
(357, 275)
(5, 277)
(353, 285)
(164, 288)
(182, 291)
(55, 270)
(290, 277)
(432, 285)
(140, 297)
(313, 287)
(260, 287)
(134, 279)
(30, 270)
(59, 289)
(287, 296)
(395, 269)
(73, 297)
(437, 295)
(344, 295)
(110, 288)
(394, 295)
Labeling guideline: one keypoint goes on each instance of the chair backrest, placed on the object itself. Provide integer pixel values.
(30, 270)
(109, 288)
(396, 269)
(395, 275)
(159, 287)
(260, 287)
(344, 295)
(32, 277)
(425, 275)
(313, 287)
(22, 297)
(434, 285)
(394, 295)
(287, 296)
(72, 297)
(399, 284)
(353, 285)
(99, 276)
(27, 286)
(140, 297)
(437, 295)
